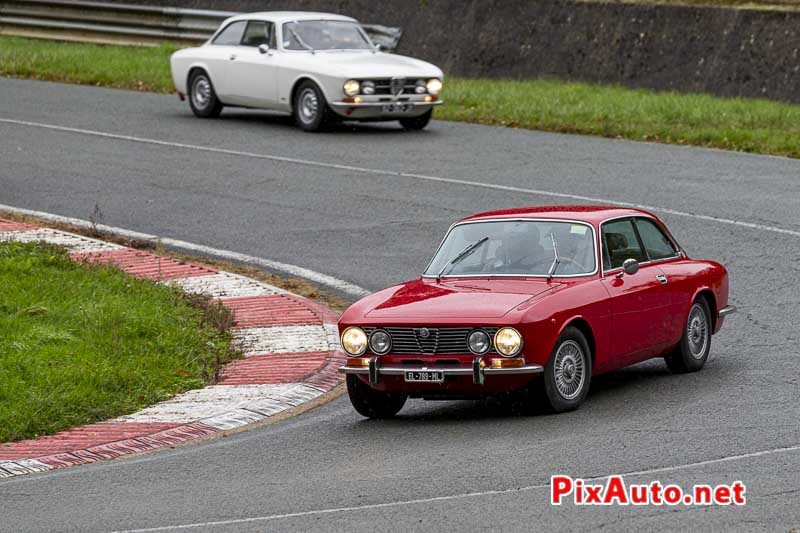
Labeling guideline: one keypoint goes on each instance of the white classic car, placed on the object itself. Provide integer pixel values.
(317, 66)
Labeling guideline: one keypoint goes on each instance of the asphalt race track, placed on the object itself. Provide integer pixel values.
(368, 205)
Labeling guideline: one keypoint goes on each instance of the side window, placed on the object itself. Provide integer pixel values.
(656, 243)
(620, 243)
(231, 35)
(259, 32)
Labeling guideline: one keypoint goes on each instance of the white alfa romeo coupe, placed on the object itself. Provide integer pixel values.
(320, 67)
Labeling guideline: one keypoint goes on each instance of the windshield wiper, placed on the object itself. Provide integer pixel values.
(301, 41)
(556, 260)
(461, 255)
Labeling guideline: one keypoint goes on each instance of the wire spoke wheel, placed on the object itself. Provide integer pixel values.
(697, 331)
(569, 369)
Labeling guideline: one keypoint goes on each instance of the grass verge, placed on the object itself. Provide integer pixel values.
(82, 343)
(749, 125)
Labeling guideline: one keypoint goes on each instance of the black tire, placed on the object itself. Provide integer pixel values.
(568, 373)
(372, 403)
(202, 98)
(417, 123)
(309, 108)
(692, 352)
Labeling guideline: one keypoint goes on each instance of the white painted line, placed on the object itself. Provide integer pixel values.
(292, 270)
(213, 402)
(74, 243)
(451, 497)
(281, 339)
(493, 186)
(224, 285)
(233, 419)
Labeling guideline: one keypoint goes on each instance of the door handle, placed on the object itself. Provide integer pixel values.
(661, 278)
(233, 56)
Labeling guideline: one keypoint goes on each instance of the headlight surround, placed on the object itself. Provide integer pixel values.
(351, 87)
(434, 86)
(380, 342)
(368, 87)
(507, 342)
(354, 341)
(479, 342)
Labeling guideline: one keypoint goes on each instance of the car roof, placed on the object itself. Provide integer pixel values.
(279, 17)
(594, 214)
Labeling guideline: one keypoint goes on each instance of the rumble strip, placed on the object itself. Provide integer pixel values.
(291, 349)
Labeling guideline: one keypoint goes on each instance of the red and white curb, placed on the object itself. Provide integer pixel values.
(291, 348)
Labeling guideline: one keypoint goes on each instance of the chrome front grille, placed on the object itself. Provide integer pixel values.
(385, 86)
(439, 341)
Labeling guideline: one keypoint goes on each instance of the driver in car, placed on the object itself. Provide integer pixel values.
(521, 252)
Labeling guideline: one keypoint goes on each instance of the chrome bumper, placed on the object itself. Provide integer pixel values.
(381, 104)
(725, 311)
(478, 372)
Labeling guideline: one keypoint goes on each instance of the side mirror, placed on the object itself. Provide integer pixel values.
(263, 48)
(630, 267)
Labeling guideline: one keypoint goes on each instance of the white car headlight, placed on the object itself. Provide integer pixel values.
(351, 87)
(368, 87)
(354, 341)
(380, 342)
(479, 342)
(434, 86)
(507, 342)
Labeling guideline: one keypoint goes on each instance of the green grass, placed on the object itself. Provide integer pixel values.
(750, 125)
(81, 344)
(140, 68)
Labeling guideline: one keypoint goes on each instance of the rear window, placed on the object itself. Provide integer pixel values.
(655, 241)
(231, 35)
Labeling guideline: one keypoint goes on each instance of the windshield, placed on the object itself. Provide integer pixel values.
(516, 248)
(324, 35)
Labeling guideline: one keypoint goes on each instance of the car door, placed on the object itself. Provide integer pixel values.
(218, 54)
(661, 249)
(640, 302)
(252, 73)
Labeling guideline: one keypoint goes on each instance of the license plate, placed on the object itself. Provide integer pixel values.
(416, 376)
(398, 108)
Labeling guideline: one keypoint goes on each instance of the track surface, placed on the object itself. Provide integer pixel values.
(373, 229)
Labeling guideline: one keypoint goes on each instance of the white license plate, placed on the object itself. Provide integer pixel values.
(417, 376)
(398, 108)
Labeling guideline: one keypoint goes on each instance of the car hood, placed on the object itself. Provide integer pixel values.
(428, 299)
(365, 64)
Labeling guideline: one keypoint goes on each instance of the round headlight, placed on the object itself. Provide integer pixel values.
(434, 86)
(420, 87)
(479, 342)
(354, 341)
(351, 87)
(507, 342)
(380, 342)
(368, 87)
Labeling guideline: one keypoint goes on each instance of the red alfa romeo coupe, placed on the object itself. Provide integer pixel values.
(534, 300)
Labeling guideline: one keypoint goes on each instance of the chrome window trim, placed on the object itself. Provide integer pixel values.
(678, 255)
(517, 219)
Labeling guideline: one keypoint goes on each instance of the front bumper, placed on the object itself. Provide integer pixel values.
(374, 109)
(477, 371)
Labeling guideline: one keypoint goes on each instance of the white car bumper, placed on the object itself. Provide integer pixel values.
(388, 110)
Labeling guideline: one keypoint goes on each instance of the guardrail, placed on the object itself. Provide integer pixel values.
(127, 24)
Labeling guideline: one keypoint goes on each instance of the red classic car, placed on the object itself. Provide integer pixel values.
(534, 300)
